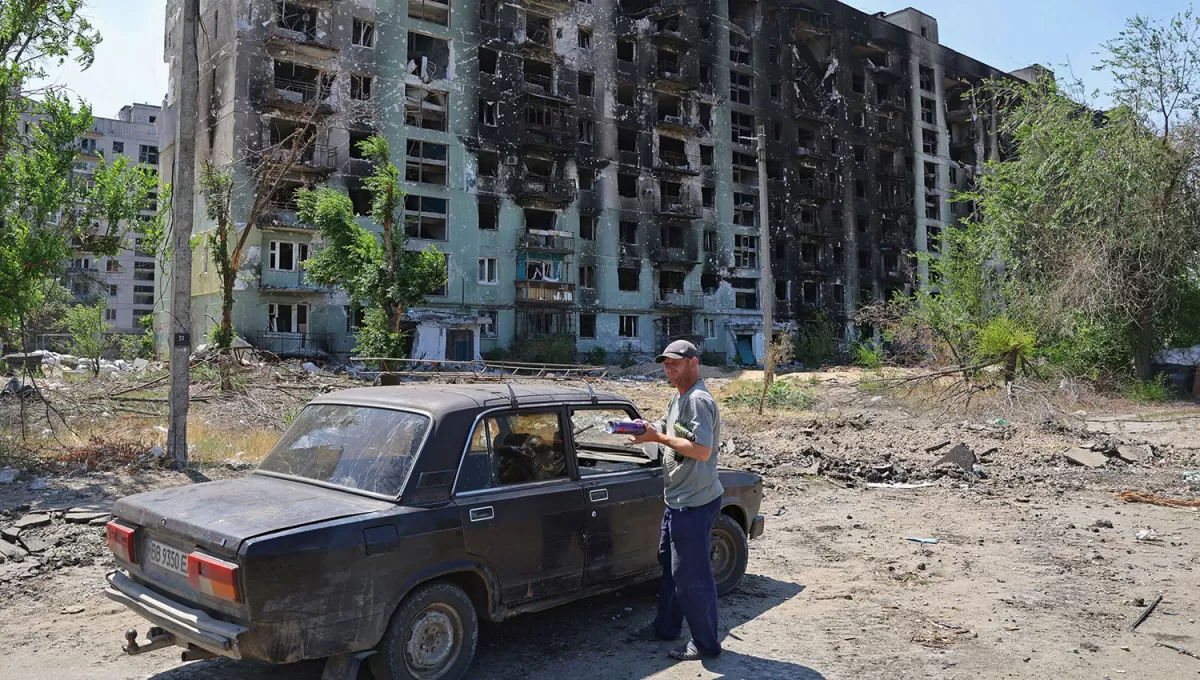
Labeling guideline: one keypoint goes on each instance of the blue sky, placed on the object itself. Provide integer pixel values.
(1008, 35)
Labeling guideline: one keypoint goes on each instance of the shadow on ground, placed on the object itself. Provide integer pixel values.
(584, 640)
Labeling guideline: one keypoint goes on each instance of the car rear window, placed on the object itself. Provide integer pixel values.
(369, 449)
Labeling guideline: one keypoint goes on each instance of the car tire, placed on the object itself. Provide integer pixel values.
(729, 553)
(431, 636)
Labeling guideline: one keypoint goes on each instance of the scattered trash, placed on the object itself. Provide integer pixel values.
(921, 540)
(1193, 476)
(1139, 497)
(1103, 524)
(1147, 534)
(1086, 458)
(923, 485)
(69, 611)
(310, 367)
(157, 451)
(1145, 613)
(998, 421)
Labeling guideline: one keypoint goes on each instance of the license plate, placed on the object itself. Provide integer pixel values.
(171, 559)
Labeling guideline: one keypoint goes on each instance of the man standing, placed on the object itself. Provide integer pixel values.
(687, 439)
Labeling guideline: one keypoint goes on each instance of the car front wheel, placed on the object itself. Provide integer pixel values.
(728, 553)
(431, 636)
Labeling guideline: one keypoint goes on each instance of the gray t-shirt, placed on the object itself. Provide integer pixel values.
(688, 482)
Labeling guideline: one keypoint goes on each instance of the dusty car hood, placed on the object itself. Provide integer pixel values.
(220, 515)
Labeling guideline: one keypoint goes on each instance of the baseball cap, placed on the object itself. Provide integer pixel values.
(680, 349)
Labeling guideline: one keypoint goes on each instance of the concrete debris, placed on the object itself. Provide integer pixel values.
(1147, 534)
(930, 541)
(924, 485)
(1134, 454)
(10, 534)
(18, 387)
(9, 475)
(1103, 524)
(1086, 458)
(962, 456)
(157, 451)
(35, 545)
(935, 447)
(32, 521)
(85, 516)
(310, 367)
(38, 484)
(8, 551)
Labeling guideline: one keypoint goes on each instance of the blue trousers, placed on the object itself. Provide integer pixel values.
(688, 589)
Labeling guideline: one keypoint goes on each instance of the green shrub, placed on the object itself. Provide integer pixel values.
(540, 349)
(710, 358)
(596, 356)
(868, 357)
(627, 356)
(782, 394)
(817, 343)
(1152, 391)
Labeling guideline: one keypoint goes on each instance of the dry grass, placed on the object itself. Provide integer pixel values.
(209, 443)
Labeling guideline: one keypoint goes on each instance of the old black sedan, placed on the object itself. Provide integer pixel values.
(387, 520)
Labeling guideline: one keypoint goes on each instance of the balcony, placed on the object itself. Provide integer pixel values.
(552, 137)
(546, 189)
(295, 283)
(672, 76)
(435, 11)
(299, 96)
(300, 42)
(815, 188)
(546, 242)
(678, 163)
(679, 299)
(545, 86)
(676, 206)
(891, 71)
(538, 40)
(552, 5)
(811, 117)
(809, 24)
(545, 293)
(313, 158)
(684, 255)
(811, 155)
(286, 344)
(669, 31)
(680, 123)
(958, 114)
(892, 104)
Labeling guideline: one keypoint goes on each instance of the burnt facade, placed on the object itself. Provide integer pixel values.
(590, 168)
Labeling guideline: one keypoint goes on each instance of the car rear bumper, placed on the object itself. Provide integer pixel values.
(186, 624)
(757, 526)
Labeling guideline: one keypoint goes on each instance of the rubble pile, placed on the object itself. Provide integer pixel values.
(41, 541)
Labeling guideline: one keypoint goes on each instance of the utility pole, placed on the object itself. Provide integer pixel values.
(764, 257)
(182, 214)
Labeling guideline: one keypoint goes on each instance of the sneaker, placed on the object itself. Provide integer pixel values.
(648, 633)
(690, 652)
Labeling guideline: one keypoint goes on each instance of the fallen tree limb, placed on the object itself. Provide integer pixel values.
(1151, 499)
(1145, 613)
(1181, 650)
(937, 374)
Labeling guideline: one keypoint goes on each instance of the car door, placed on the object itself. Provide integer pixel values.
(521, 511)
(623, 494)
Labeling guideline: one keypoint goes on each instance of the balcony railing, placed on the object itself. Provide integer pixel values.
(679, 207)
(545, 292)
(294, 91)
(312, 156)
(674, 255)
(533, 186)
(675, 161)
(679, 299)
(681, 122)
(287, 344)
(536, 83)
(546, 243)
(300, 41)
(818, 188)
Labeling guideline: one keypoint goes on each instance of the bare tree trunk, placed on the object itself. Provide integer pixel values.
(1143, 342)
(1010, 366)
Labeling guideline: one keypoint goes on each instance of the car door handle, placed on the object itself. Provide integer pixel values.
(481, 514)
(598, 495)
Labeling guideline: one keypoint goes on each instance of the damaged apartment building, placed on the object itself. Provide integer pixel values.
(589, 167)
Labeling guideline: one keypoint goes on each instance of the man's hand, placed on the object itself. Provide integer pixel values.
(650, 436)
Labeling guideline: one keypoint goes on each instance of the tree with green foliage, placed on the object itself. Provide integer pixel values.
(47, 209)
(377, 272)
(88, 332)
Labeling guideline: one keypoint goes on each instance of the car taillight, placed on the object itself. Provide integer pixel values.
(214, 577)
(120, 541)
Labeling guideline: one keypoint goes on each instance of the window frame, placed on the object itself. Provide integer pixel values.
(646, 468)
(572, 476)
(489, 265)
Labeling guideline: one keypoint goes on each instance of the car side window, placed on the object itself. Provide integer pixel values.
(514, 448)
(599, 452)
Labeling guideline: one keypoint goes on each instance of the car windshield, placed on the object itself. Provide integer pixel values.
(369, 449)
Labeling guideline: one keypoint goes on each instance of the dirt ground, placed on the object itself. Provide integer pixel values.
(1036, 573)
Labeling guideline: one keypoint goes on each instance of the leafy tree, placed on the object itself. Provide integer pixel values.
(87, 327)
(377, 272)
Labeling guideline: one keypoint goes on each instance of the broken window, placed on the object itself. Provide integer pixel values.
(953, 174)
(858, 83)
(706, 154)
(860, 153)
(489, 216)
(629, 279)
(587, 276)
(363, 34)
(428, 57)
(587, 178)
(745, 251)
(587, 325)
(425, 217)
(629, 233)
(288, 319)
(739, 49)
(860, 188)
(745, 211)
(426, 162)
(487, 60)
(489, 163)
(300, 84)
(671, 236)
(708, 197)
(858, 119)
(839, 294)
(282, 256)
(706, 74)
(777, 132)
(934, 237)
(862, 224)
(740, 87)
(626, 139)
(489, 11)
(926, 77)
(489, 113)
(705, 111)
(539, 30)
(540, 220)
(891, 262)
(357, 137)
(585, 39)
(773, 54)
(810, 292)
(625, 50)
(705, 30)
(487, 323)
(933, 206)
(745, 168)
(360, 87)
(587, 227)
(487, 271)
(741, 127)
(148, 154)
(809, 253)
(864, 259)
(839, 255)
(930, 175)
(928, 115)
(626, 185)
(587, 84)
(587, 131)
(427, 108)
(783, 291)
(296, 18)
(929, 142)
(628, 327)
(626, 94)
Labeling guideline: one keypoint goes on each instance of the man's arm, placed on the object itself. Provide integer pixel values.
(701, 428)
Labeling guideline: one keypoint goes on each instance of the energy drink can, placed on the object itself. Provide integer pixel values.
(625, 427)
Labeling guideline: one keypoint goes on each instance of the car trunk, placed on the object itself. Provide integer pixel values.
(216, 518)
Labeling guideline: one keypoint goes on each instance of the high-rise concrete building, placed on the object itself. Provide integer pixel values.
(589, 167)
(126, 281)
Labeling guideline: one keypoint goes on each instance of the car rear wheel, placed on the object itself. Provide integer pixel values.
(431, 636)
(729, 553)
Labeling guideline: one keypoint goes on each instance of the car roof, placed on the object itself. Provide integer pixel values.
(443, 399)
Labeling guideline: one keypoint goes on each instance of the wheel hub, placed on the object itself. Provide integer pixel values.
(432, 641)
(720, 555)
